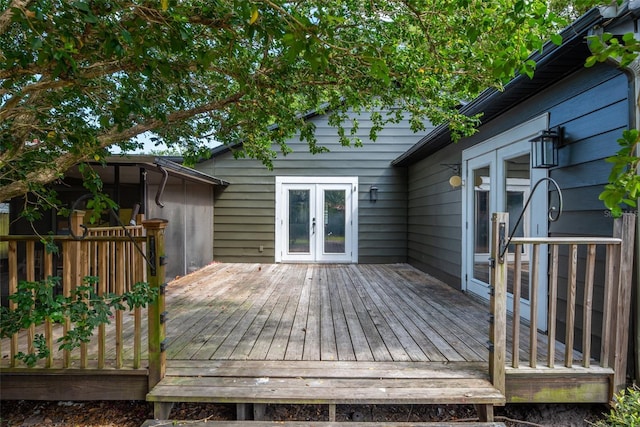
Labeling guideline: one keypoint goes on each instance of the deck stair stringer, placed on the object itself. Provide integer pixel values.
(326, 382)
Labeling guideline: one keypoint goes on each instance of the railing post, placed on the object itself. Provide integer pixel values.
(155, 277)
(498, 301)
(624, 228)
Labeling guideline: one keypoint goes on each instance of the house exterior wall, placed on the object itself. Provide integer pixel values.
(245, 210)
(188, 206)
(593, 105)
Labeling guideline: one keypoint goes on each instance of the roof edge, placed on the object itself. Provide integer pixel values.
(440, 137)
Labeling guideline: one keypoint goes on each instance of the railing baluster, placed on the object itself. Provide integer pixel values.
(498, 305)
(120, 279)
(533, 301)
(48, 324)
(13, 288)
(31, 277)
(613, 253)
(588, 305)
(517, 284)
(83, 267)
(66, 292)
(553, 307)
(103, 268)
(571, 305)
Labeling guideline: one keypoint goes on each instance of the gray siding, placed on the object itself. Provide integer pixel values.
(245, 210)
(188, 207)
(435, 216)
(593, 106)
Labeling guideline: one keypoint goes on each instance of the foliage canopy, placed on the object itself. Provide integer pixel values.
(80, 76)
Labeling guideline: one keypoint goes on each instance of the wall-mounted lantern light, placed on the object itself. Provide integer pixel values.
(456, 180)
(544, 148)
(373, 194)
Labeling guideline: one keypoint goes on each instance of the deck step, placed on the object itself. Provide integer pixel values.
(325, 382)
(297, 390)
(154, 423)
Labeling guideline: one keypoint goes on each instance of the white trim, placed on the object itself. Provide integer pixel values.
(512, 143)
(324, 182)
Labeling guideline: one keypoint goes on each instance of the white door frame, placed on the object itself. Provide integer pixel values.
(508, 144)
(283, 183)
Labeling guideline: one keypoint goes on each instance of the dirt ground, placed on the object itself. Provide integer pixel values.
(133, 414)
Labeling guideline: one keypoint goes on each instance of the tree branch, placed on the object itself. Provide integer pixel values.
(7, 14)
(69, 159)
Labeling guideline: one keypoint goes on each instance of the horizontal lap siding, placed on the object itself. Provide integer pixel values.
(435, 216)
(582, 174)
(592, 105)
(245, 210)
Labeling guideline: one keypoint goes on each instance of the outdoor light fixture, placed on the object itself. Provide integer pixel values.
(544, 148)
(456, 180)
(373, 194)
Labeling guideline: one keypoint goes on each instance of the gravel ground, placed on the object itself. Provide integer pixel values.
(133, 414)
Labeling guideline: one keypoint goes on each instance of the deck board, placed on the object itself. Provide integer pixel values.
(320, 312)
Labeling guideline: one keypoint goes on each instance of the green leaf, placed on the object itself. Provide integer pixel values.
(556, 39)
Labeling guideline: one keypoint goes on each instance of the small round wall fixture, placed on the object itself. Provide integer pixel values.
(455, 181)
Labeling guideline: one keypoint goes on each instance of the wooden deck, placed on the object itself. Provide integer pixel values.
(380, 313)
(331, 334)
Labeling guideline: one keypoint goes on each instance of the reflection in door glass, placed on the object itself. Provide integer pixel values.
(517, 190)
(481, 208)
(334, 221)
(299, 221)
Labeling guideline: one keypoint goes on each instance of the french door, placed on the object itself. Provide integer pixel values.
(316, 219)
(498, 178)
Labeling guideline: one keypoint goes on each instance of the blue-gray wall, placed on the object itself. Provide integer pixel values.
(593, 105)
(245, 210)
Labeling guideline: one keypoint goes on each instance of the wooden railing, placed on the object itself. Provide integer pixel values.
(116, 256)
(578, 360)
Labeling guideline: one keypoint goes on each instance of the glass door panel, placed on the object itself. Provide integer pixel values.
(517, 187)
(334, 224)
(299, 230)
(481, 222)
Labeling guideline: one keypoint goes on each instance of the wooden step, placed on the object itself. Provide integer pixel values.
(330, 383)
(154, 423)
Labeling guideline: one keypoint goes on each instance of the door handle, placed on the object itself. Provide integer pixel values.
(313, 226)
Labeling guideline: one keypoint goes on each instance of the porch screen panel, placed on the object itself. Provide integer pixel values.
(334, 221)
(299, 214)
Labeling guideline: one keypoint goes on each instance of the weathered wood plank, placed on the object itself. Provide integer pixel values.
(300, 328)
(314, 393)
(256, 340)
(327, 369)
(587, 304)
(398, 340)
(571, 304)
(312, 336)
(434, 307)
(328, 345)
(354, 320)
(553, 306)
(284, 329)
(344, 345)
(517, 284)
